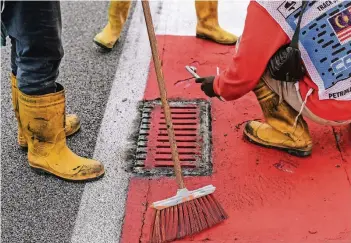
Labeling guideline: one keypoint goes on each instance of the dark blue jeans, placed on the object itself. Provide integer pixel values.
(35, 32)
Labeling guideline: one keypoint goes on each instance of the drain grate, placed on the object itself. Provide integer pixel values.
(192, 126)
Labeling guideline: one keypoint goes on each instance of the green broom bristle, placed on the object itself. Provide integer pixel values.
(186, 219)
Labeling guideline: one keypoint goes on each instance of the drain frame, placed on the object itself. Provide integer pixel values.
(145, 131)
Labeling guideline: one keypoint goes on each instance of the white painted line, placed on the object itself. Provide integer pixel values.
(101, 212)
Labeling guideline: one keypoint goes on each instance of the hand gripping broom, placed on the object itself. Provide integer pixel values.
(188, 212)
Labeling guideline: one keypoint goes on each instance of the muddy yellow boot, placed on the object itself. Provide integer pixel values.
(117, 16)
(72, 120)
(43, 126)
(207, 23)
(280, 130)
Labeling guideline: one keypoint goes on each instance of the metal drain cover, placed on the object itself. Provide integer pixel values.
(192, 125)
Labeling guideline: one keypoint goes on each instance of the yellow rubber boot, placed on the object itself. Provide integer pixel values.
(43, 126)
(207, 23)
(279, 131)
(117, 16)
(20, 138)
(72, 120)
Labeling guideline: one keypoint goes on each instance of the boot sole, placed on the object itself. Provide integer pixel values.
(219, 42)
(24, 146)
(294, 152)
(103, 46)
(41, 171)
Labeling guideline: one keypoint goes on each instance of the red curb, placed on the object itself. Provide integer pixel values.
(270, 196)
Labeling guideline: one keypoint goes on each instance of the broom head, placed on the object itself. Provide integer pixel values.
(185, 214)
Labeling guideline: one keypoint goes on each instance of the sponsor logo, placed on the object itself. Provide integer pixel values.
(339, 94)
(288, 7)
(342, 64)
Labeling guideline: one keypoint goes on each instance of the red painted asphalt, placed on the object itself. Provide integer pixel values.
(270, 196)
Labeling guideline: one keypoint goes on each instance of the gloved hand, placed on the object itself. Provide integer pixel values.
(207, 85)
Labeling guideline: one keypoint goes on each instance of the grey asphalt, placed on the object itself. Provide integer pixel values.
(40, 208)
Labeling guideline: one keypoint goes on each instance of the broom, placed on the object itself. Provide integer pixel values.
(188, 212)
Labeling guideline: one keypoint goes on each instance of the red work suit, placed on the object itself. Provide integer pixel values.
(261, 38)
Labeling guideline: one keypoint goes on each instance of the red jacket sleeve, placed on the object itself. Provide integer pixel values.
(261, 38)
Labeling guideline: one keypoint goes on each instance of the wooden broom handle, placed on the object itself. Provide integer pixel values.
(163, 93)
